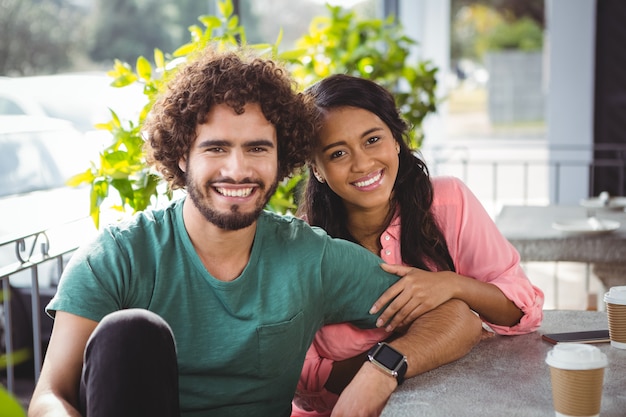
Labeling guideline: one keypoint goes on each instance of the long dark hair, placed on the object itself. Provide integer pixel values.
(422, 242)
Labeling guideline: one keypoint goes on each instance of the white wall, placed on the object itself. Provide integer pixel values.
(570, 62)
(428, 22)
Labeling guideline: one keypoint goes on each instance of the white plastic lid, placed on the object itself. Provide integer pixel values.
(616, 295)
(576, 356)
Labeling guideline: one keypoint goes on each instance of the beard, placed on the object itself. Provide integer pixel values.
(233, 219)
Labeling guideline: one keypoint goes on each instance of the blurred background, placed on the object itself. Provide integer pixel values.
(505, 67)
(42, 37)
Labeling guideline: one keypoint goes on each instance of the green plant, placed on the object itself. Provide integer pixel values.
(523, 34)
(9, 405)
(373, 49)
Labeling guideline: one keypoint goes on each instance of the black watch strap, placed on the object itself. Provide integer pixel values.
(389, 360)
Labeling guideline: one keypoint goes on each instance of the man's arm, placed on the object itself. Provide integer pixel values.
(57, 390)
(440, 336)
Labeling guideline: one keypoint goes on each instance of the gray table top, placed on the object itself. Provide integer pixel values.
(507, 376)
(529, 229)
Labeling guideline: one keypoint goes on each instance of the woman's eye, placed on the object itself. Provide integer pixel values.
(373, 139)
(336, 154)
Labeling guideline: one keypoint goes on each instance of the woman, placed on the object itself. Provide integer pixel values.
(367, 186)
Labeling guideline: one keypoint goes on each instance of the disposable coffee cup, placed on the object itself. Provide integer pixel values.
(615, 300)
(577, 376)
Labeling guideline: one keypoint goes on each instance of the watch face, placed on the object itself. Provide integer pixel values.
(388, 357)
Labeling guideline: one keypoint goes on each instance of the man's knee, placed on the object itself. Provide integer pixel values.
(132, 328)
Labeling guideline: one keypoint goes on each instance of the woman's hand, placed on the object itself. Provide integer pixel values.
(416, 293)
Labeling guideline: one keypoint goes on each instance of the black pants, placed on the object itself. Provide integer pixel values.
(130, 368)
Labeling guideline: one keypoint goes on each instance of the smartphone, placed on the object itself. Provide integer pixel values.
(590, 336)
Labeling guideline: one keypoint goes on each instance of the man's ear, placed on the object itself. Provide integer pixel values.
(182, 164)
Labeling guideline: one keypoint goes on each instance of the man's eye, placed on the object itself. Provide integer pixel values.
(258, 149)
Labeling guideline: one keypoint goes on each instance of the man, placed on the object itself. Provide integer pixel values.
(209, 305)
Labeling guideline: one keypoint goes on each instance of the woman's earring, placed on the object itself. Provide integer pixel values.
(318, 177)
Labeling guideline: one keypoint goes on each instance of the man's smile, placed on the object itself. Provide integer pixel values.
(235, 192)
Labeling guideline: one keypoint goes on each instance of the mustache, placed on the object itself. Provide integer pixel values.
(227, 180)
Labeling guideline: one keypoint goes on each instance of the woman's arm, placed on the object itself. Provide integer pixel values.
(424, 290)
(484, 298)
(482, 253)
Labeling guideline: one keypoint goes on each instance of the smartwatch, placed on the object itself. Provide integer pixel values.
(388, 360)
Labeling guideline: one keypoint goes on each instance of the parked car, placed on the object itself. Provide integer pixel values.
(37, 156)
(82, 98)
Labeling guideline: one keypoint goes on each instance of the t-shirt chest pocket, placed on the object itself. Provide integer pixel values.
(280, 345)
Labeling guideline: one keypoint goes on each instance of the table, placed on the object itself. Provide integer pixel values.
(529, 229)
(507, 376)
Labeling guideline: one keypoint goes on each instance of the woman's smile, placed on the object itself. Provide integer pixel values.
(370, 181)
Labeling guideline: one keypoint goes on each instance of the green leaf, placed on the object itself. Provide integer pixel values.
(185, 50)
(210, 22)
(159, 59)
(279, 38)
(225, 7)
(124, 188)
(196, 34)
(263, 48)
(104, 126)
(292, 55)
(99, 191)
(144, 69)
(85, 177)
(8, 403)
(366, 65)
(124, 79)
(233, 23)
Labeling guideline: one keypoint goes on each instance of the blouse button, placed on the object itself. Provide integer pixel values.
(387, 237)
(388, 252)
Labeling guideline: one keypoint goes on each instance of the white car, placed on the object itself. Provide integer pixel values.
(82, 98)
(37, 157)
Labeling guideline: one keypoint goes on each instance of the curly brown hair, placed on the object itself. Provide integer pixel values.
(234, 78)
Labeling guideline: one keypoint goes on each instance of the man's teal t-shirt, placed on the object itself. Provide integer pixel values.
(240, 344)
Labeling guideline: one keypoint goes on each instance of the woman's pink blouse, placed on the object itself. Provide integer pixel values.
(478, 250)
